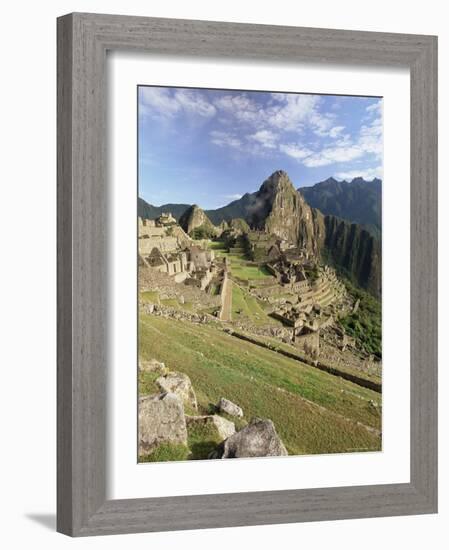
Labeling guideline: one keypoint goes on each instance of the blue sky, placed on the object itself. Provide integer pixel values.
(209, 147)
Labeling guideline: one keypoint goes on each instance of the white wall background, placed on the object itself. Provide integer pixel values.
(27, 289)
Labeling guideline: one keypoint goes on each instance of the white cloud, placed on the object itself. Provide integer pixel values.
(166, 103)
(266, 138)
(240, 106)
(225, 139)
(371, 137)
(194, 102)
(246, 125)
(367, 174)
(292, 111)
(344, 149)
(326, 156)
(375, 107)
(158, 100)
(332, 155)
(336, 131)
(295, 151)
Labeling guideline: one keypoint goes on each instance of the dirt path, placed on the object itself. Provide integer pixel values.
(225, 314)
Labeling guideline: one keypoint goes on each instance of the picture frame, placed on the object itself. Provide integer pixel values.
(83, 41)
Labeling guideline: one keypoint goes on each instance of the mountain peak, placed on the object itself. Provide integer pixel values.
(193, 218)
(277, 181)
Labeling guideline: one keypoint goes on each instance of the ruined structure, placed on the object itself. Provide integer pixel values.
(165, 247)
(165, 219)
(277, 232)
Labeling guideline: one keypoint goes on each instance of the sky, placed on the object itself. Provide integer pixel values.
(209, 147)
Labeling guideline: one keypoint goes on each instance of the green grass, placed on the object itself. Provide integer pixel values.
(277, 345)
(150, 297)
(248, 272)
(147, 382)
(166, 452)
(215, 289)
(171, 302)
(247, 307)
(314, 412)
(202, 440)
(217, 245)
(242, 268)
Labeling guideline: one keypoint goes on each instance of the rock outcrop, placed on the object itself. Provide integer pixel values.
(179, 384)
(153, 366)
(283, 212)
(195, 218)
(225, 428)
(257, 439)
(226, 406)
(161, 420)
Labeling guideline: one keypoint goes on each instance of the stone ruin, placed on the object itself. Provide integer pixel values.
(166, 248)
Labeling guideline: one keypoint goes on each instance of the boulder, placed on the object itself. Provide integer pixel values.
(179, 384)
(258, 438)
(153, 366)
(224, 405)
(161, 420)
(225, 428)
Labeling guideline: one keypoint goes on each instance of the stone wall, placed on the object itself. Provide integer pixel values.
(165, 244)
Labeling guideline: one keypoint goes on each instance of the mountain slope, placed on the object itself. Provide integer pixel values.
(357, 201)
(235, 209)
(280, 210)
(354, 252)
(195, 218)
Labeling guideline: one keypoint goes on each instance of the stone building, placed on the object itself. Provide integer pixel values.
(259, 244)
(201, 277)
(165, 219)
(200, 257)
(175, 264)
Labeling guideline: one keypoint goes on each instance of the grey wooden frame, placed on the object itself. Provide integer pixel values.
(83, 40)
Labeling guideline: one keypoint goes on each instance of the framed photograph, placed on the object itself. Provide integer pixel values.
(247, 270)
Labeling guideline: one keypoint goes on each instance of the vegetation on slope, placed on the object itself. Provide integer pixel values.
(354, 253)
(313, 412)
(365, 325)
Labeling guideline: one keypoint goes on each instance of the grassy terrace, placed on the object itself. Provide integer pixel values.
(277, 345)
(241, 268)
(247, 308)
(313, 412)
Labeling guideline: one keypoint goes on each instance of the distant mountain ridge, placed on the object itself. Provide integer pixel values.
(147, 211)
(280, 209)
(358, 201)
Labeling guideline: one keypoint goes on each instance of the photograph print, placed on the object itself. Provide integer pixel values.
(259, 274)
